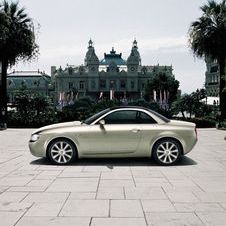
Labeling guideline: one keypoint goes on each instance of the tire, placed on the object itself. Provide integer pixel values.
(167, 151)
(61, 152)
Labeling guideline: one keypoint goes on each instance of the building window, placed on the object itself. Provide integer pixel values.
(122, 84)
(112, 84)
(70, 85)
(93, 84)
(102, 84)
(132, 84)
(36, 83)
(214, 69)
(81, 85)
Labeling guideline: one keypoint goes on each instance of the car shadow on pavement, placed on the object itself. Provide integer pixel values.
(114, 162)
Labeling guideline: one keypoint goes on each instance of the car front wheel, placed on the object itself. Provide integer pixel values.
(61, 151)
(167, 151)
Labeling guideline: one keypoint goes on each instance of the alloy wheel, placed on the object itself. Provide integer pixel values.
(61, 152)
(167, 152)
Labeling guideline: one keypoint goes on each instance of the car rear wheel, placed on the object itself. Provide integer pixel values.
(167, 151)
(61, 151)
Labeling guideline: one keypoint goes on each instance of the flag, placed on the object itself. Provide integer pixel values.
(167, 94)
(111, 94)
(64, 99)
(155, 95)
(165, 98)
(71, 101)
(101, 95)
(76, 96)
(160, 96)
(59, 100)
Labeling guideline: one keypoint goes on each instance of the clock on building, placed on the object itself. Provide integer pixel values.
(132, 69)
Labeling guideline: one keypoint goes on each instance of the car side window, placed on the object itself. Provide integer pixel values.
(144, 118)
(121, 117)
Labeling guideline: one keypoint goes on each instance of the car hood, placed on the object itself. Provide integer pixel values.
(181, 123)
(58, 125)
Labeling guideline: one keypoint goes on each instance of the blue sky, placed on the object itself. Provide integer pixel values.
(160, 27)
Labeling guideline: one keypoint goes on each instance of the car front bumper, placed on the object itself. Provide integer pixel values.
(37, 148)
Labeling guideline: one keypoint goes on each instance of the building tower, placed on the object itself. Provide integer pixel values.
(134, 60)
(91, 59)
(212, 80)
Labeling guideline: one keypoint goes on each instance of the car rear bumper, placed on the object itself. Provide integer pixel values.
(190, 144)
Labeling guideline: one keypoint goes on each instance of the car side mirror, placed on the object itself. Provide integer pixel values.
(102, 122)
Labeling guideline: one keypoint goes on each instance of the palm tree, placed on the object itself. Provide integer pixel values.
(208, 39)
(17, 42)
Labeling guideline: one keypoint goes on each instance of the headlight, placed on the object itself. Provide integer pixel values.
(34, 137)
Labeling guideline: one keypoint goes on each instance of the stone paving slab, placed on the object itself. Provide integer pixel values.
(118, 222)
(157, 206)
(46, 197)
(54, 221)
(173, 219)
(113, 192)
(10, 218)
(44, 209)
(213, 218)
(126, 208)
(144, 193)
(86, 208)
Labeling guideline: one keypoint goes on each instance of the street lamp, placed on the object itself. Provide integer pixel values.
(3, 109)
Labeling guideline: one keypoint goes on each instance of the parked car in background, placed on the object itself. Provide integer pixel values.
(116, 132)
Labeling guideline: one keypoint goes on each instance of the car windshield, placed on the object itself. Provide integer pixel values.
(93, 118)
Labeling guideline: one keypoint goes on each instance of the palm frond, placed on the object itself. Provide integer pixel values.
(13, 8)
(205, 34)
(17, 38)
(20, 11)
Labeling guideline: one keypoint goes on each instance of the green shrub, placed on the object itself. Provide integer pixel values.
(31, 120)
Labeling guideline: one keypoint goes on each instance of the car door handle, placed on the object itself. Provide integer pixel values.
(135, 130)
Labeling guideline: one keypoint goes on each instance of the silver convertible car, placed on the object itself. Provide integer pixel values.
(116, 132)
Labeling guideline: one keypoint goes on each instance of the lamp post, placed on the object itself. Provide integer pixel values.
(3, 106)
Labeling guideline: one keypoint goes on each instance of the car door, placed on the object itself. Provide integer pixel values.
(120, 134)
(149, 131)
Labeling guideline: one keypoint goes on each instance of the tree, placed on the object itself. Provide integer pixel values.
(192, 104)
(31, 109)
(162, 82)
(208, 39)
(17, 42)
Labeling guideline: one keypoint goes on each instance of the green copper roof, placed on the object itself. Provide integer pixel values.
(113, 57)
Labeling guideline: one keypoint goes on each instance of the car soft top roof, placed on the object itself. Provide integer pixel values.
(142, 108)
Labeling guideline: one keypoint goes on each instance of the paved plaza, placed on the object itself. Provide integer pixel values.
(113, 192)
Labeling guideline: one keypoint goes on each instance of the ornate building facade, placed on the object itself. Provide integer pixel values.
(110, 77)
(36, 81)
(212, 79)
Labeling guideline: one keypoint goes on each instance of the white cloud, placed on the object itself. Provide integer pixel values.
(164, 43)
(145, 45)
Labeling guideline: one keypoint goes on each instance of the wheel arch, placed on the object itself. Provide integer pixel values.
(49, 143)
(168, 137)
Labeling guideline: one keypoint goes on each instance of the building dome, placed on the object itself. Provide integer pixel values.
(113, 57)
